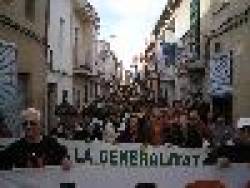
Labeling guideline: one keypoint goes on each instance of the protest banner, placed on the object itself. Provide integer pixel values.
(130, 155)
(101, 165)
(103, 177)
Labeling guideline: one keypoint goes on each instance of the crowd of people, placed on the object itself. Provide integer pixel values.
(186, 124)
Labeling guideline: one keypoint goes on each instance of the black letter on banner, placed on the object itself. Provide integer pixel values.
(123, 157)
(133, 157)
(105, 158)
(113, 157)
(153, 159)
(186, 161)
(196, 157)
(143, 158)
(177, 158)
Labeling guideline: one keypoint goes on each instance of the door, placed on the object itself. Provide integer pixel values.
(52, 102)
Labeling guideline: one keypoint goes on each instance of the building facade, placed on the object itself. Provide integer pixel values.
(180, 25)
(85, 25)
(228, 44)
(59, 59)
(72, 34)
(22, 24)
(109, 69)
(60, 51)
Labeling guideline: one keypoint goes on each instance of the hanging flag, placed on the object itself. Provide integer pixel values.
(220, 75)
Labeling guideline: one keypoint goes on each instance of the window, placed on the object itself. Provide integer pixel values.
(74, 97)
(76, 45)
(166, 62)
(61, 36)
(96, 90)
(191, 47)
(151, 84)
(91, 89)
(78, 98)
(30, 10)
(194, 12)
(217, 47)
(23, 81)
(197, 50)
(51, 60)
(161, 93)
(166, 94)
(207, 51)
(165, 50)
(86, 93)
(64, 95)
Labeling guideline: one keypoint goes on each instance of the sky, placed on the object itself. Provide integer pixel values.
(131, 21)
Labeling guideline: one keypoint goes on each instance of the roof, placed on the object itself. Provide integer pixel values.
(166, 14)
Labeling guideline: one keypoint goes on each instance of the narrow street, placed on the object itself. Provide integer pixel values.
(123, 93)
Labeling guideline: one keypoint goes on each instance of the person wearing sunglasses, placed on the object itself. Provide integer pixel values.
(33, 150)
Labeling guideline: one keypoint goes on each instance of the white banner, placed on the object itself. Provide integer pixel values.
(134, 155)
(125, 165)
(130, 155)
(102, 177)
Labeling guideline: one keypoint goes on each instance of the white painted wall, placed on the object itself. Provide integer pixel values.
(108, 67)
(60, 43)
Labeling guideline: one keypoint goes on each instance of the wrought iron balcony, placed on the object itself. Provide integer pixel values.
(195, 65)
(82, 70)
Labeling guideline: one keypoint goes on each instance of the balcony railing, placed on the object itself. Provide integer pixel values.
(82, 69)
(195, 65)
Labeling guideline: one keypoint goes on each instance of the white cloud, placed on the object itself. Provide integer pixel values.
(134, 22)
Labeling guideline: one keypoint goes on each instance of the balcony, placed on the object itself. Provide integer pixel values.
(82, 70)
(167, 74)
(196, 65)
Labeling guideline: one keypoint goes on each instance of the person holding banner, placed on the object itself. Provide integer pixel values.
(4, 130)
(238, 152)
(34, 150)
